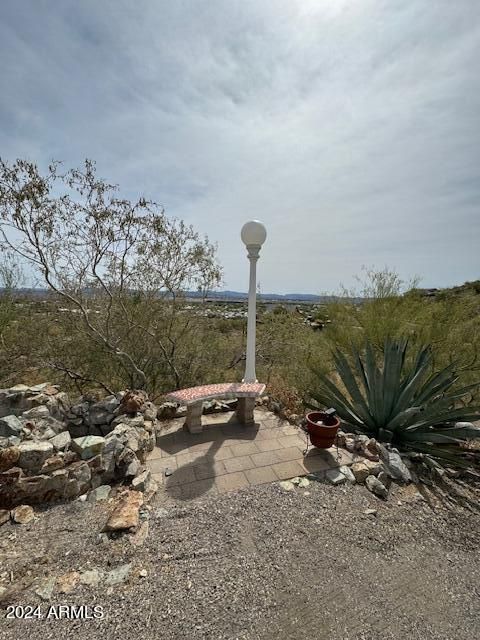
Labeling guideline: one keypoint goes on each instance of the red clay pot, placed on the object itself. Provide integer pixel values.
(322, 436)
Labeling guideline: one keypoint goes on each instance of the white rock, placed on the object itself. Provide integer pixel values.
(347, 472)
(90, 578)
(45, 588)
(117, 575)
(287, 485)
(335, 476)
(61, 441)
(36, 413)
(34, 454)
(375, 486)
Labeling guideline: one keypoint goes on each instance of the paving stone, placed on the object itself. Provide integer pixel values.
(206, 470)
(261, 475)
(231, 482)
(239, 464)
(292, 453)
(315, 463)
(244, 449)
(154, 454)
(268, 445)
(221, 454)
(193, 490)
(285, 470)
(292, 441)
(160, 464)
(265, 458)
(180, 476)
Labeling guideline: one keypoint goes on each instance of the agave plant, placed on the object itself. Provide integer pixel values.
(400, 403)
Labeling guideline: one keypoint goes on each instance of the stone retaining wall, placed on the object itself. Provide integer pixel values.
(54, 449)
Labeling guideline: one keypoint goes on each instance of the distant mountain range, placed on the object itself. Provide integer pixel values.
(266, 297)
(224, 296)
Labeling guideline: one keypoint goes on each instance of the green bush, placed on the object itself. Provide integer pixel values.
(409, 404)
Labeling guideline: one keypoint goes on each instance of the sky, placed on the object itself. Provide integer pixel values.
(350, 128)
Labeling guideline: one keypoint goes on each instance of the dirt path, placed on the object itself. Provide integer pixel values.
(261, 563)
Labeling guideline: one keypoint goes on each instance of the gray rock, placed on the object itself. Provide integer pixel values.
(38, 388)
(130, 421)
(374, 485)
(394, 465)
(347, 472)
(10, 426)
(23, 514)
(167, 411)
(99, 416)
(36, 413)
(81, 473)
(384, 478)
(149, 411)
(109, 404)
(133, 468)
(142, 482)
(100, 493)
(90, 578)
(118, 575)
(62, 441)
(88, 446)
(34, 454)
(45, 588)
(80, 410)
(335, 476)
(287, 485)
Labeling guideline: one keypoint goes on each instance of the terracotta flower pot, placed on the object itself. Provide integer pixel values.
(323, 435)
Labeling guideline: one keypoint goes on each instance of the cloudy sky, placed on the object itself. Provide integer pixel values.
(351, 128)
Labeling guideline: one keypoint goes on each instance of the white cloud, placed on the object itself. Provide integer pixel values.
(350, 128)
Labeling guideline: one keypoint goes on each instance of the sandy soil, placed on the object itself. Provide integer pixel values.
(261, 563)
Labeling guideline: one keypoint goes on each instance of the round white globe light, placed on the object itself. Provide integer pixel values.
(253, 233)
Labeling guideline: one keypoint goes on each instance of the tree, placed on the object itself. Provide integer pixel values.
(119, 267)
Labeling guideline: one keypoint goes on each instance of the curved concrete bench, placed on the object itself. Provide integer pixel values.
(194, 397)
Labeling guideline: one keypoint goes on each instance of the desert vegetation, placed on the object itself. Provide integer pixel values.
(113, 311)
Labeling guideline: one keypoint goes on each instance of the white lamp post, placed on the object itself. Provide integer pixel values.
(253, 235)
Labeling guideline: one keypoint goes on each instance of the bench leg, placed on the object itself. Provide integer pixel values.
(193, 421)
(244, 411)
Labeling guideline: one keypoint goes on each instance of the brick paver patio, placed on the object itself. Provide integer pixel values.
(227, 456)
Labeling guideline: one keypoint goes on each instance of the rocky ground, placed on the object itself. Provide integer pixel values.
(315, 562)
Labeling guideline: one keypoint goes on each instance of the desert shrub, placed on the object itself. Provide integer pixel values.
(400, 402)
(117, 267)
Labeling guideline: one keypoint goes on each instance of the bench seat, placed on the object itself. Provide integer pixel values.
(194, 397)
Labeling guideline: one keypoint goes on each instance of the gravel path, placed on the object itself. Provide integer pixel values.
(260, 563)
